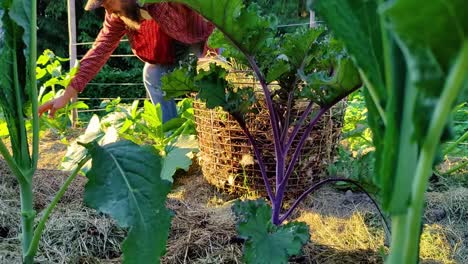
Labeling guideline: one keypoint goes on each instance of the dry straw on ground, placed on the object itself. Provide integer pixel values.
(344, 228)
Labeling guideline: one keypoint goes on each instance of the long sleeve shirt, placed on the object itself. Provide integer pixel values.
(153, 42)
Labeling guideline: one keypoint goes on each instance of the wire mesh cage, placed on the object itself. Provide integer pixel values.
(226, 157)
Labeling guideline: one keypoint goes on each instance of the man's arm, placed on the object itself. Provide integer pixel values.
(106, 42)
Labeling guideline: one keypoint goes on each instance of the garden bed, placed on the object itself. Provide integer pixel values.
(344, 226)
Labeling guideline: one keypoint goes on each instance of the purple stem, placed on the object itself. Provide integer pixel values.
(285, 128)
(320, 184)
(281, 186)
(269, 102)
(259, 156)
(279, 154)
(297, 127)
(273, 119)
(301, 143)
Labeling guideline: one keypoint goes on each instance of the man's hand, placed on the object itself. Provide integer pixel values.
(53, 105)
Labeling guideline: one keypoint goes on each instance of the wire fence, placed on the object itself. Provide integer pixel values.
(140, 85)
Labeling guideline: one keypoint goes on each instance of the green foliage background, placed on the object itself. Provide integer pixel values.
(53, 35)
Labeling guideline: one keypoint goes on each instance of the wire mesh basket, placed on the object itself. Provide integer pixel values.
(226, 156)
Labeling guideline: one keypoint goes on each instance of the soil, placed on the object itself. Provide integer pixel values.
(344, 225)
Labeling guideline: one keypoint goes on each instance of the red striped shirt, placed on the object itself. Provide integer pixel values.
(152, 43)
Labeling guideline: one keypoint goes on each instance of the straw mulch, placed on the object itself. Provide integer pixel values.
(344, 226)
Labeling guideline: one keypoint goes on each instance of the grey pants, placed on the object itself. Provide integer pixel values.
(152, 74)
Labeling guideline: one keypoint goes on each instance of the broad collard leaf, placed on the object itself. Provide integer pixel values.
(94, 133)
(265, 242)
(125, 182)
(357, 24)
(429, 58)
(20, 12)
(244, 26)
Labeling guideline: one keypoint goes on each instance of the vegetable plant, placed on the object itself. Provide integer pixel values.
(124, 179)
(174, 140)
(52, 83)
(414, 68)
(306, 64)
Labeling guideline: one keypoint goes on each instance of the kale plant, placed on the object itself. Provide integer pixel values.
(125, 178)
(306, 64)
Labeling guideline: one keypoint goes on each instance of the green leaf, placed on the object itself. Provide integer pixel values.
(265, 242)
(327, 90)
(213, 86)
(15, 21)
(93, 133)
(178, 83)
(20, 12)
(357, 24)
(277, 70)
(429, 58)
(297, 46)
(178, 156)
(152, 116)
(125, 182)
(429, 55)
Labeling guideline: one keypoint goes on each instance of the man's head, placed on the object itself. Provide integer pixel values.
(127, 10)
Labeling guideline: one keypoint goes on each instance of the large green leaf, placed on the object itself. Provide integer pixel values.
(14, 45)
(245, 27)
(94, 132)
(432, 53)
(358, 24)
(429, 55)
(180, 81)
(429, 58)
(125, 182)
(265, 242)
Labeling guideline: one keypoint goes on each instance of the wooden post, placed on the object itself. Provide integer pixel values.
(72, 48)
(312, 22)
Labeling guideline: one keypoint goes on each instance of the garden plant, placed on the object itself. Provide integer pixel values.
(52, 82)
(412, 83)
(136, 194)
